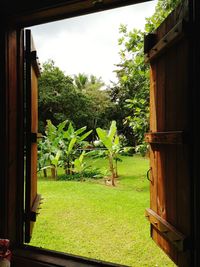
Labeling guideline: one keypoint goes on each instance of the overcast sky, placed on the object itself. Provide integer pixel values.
(89, 44)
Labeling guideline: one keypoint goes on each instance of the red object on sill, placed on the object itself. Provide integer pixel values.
(5, 253)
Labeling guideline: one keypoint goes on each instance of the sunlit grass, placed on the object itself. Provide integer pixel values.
(98, 221)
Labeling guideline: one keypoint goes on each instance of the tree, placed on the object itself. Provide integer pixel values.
(131, 93)
(81, 81)
(80, 100)
(133, 82)
(99, 103)
(163, 9)
(53, 84)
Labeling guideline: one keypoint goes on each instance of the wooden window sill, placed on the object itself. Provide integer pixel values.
(35, 257)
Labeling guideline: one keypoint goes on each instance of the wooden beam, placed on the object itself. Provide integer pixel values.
(174, 35)
(167, 230)
(172, 138)
(38, 257)
(48, 11)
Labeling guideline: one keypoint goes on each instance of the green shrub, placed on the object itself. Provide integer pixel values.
(142, 149)
(86, 175)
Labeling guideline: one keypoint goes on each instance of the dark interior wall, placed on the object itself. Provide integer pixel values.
(195, 94)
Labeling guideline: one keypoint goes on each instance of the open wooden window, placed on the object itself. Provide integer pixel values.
(167, 50)
(32, 72)
(170, 213)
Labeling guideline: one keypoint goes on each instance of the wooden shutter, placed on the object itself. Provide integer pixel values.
(169, 214)
(32, 199)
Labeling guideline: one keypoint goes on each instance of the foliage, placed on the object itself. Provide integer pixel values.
(110, 140)
(139, 122)
(76, 99)
(72, 142)
(80, 165)
(81, 81)
(100, 105)
(49, 149)
(53, 84)
(61, 147)
(90, 173)
(163, 9)
(131, 93)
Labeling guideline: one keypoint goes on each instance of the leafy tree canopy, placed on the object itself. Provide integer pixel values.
(131, 92)
(79, 99)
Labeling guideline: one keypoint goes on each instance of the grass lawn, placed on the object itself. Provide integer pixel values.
(97, 221)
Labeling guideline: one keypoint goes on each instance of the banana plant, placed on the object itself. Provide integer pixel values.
(49, 150)
(72, 143)
(80, 165)
(69, 155)
(61, 147)
(111, 142)
(55, 162)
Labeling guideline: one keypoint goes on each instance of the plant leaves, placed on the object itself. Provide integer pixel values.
(104, 138)
(71, 145)
(82, 137)
(79, 131)
(112, 131)
(82, 156)
(70, 129)
(116, 140)
(61, 126)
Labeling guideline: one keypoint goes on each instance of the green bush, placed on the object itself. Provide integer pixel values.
(86, 175)
(142, 149)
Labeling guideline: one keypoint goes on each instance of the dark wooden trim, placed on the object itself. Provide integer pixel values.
(41, 257)
(21, 141)
(149, 42)
(28, 118)
(11, 136)
(3, 132)
(56, 10)
(195, 118)
(11, 168)
(173, 36)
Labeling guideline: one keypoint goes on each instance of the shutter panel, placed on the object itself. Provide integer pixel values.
(32, 199)
(167, 51)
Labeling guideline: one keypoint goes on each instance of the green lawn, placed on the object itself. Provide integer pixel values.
(98, 221)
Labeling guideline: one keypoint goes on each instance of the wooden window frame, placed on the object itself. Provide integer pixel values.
(11, 181)
(12, 172)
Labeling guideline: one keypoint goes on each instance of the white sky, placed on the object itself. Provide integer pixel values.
(89, 44)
